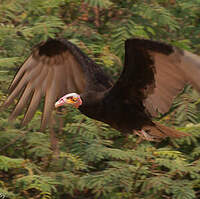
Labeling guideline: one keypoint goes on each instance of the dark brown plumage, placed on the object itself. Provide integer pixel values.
(154, 73)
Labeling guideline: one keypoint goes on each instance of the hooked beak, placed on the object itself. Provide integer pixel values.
(59, 103)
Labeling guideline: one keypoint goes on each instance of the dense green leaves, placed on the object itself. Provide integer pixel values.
(83, 158)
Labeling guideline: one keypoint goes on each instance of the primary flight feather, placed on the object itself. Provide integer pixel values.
(154, 73)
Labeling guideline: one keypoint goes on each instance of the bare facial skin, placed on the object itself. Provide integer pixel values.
(72, 99)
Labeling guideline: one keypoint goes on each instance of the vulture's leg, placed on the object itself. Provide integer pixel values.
(144, 135)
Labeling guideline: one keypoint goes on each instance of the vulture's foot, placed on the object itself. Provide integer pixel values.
(145, 135)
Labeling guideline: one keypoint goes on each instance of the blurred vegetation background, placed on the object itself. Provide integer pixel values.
(80, 158)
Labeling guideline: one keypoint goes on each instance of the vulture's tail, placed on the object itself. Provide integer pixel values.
(157, 132)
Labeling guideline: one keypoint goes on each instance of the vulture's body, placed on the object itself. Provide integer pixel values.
(154, 73)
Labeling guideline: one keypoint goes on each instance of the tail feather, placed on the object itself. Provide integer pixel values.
(158, 132)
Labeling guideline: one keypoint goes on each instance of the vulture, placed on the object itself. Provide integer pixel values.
(153, 74)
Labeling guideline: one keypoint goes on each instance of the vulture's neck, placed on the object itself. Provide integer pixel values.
(92, 105)
(91, 98)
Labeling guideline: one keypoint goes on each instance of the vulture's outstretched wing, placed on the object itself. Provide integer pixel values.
(55, 68)
(155, 73)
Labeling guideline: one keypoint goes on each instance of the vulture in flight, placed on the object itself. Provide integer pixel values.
(153, 74)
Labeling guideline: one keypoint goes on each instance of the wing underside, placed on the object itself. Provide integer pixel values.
(155, 73)
(52, 70)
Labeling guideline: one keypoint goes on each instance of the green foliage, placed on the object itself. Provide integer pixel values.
(80, 157)
(98, 3)
(10, 163)
(186, 107)
(44, 185)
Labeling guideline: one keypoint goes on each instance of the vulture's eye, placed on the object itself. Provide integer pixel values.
(74, 99)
